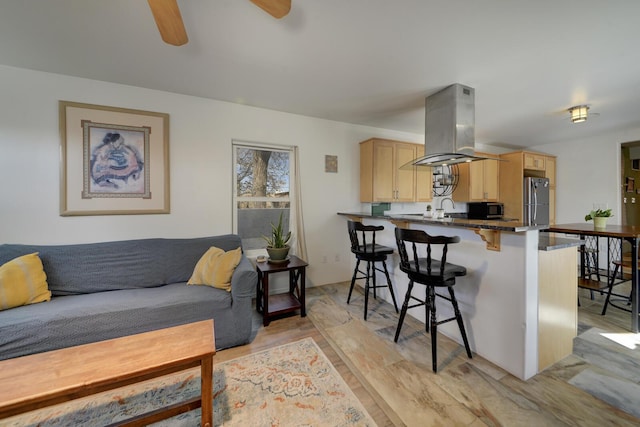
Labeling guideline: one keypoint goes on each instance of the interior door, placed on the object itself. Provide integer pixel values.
(630, 179)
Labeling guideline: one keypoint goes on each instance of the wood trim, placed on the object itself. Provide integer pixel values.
(491, 237)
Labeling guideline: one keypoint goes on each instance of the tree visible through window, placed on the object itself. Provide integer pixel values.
(263, 178)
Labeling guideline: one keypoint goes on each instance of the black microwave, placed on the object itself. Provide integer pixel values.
(485, 210)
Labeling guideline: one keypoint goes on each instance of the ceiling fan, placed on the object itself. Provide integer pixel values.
(169, 20)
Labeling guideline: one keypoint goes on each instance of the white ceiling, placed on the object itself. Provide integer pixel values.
(369, 62)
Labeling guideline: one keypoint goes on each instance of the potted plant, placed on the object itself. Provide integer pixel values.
(599, 217)
(277, 243)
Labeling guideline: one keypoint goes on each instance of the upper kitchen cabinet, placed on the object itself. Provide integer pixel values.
(382, 180)
(550, 172)
(518, 165)
(478, 181)
(534, 161)
(424, 181)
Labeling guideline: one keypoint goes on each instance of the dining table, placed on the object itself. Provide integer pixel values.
(630, 233)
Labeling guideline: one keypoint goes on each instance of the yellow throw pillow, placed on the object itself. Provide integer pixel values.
(23, 281)
(215, 268)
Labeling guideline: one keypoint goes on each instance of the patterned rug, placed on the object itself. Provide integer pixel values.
(290, 385)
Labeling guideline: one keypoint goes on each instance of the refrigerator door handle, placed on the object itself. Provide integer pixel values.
(535, 204)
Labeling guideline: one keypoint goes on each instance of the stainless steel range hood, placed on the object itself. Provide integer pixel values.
(449, 127)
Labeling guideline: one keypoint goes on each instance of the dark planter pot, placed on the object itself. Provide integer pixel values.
(278, 254)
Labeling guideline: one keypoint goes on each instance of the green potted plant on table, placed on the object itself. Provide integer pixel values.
(599, 217)
(277, 243)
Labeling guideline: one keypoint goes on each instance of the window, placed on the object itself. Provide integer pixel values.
(262, 191)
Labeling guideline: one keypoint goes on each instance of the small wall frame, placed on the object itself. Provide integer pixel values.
(331, 164)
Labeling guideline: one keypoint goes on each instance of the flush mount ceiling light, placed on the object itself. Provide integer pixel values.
(579, 113)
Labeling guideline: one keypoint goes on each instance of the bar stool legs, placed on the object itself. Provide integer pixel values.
(370, 274)
(403, 312)
(353, 279)
(431, 320)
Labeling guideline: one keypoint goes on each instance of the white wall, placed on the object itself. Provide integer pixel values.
(201, 131)
(587, 172)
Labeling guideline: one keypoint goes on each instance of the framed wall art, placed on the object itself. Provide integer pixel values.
(114, 161)
(331, 164)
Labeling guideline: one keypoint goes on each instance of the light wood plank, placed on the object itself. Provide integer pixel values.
(44, 379)
(557, 308)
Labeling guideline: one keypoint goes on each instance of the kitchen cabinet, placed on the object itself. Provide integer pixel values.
(478, 181)
(424, 181)
(513, 169)
(550, 172)
(534, 161)
(382, 179)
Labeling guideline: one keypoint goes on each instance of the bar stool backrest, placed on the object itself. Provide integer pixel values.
(424, 269)
(365, 241)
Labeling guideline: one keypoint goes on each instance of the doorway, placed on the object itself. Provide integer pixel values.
(630, 179)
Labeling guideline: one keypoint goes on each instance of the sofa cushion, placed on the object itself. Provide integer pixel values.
(22, 282)
(215, 268)
(79, 319)
(144, 263)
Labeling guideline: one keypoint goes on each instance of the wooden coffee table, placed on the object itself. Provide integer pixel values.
(39, 380)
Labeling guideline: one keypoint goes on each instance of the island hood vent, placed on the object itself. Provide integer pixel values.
(449, 128)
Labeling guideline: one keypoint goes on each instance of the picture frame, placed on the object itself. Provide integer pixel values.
(331, 164)
(113, 161)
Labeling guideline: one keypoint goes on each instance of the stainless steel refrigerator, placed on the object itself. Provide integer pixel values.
(536, 201)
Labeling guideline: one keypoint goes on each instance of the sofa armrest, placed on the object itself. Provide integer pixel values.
(244, 280)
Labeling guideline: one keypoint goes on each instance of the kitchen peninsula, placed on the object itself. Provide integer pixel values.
(517, 301)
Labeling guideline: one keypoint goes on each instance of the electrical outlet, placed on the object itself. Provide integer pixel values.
(324, 259)
(337, 258)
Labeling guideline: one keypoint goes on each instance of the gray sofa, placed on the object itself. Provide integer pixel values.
(111, 289)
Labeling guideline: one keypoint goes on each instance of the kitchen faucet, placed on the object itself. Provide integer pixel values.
(453, 205)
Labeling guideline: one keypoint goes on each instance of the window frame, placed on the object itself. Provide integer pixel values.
(235, 144)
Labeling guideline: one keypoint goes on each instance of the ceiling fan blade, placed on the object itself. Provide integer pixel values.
(169, 21)
(275, 8)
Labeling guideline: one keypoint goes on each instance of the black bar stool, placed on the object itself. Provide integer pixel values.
(360, 235)
(433, 274)
(622, 266)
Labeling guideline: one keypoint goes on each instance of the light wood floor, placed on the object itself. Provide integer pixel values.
(397, 386)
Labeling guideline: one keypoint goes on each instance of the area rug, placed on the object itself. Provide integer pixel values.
(290, 385)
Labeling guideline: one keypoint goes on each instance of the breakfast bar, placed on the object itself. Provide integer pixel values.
(518, 299)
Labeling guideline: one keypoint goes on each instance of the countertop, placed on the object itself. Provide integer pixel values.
(546, 241)
(550, 242)
(501, 225)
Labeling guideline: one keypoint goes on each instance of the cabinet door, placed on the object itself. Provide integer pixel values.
(476, 180)
(511, 175)
(550, 170)
(552, 205)
(483, 179)
(491, 180)
(534, 161)
(424, 179)
(383, 172)
(405, 183)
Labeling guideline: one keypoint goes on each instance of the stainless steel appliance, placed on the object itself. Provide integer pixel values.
(536, 201)
(485, 210)
(450, 120)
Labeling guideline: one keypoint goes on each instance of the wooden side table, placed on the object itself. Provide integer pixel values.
(272, 305)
